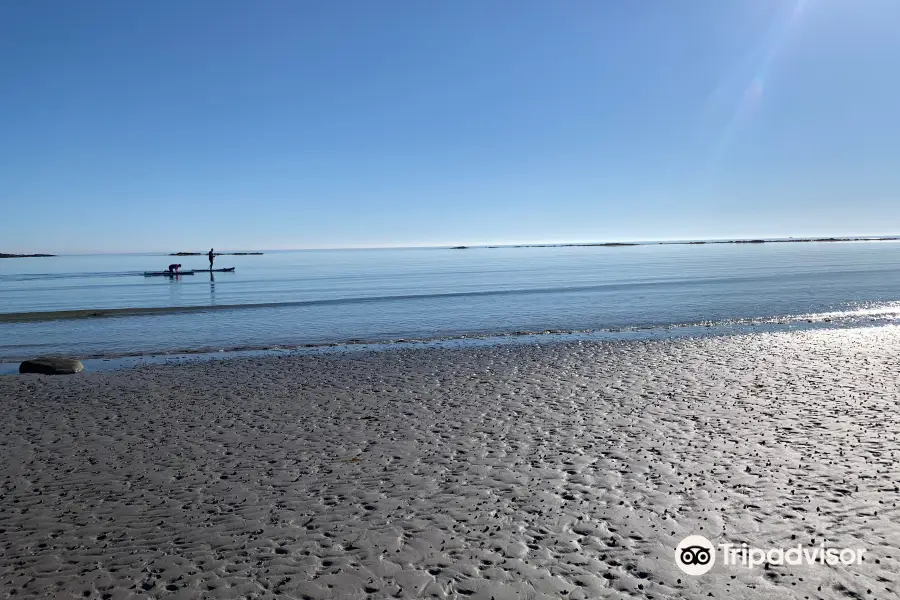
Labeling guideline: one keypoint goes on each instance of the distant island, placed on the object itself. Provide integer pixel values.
(753, 241)
(791, 240)
(608, 244)
(216, 254)
(24, 255)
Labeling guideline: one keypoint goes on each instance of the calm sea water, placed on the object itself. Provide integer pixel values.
(321, 297)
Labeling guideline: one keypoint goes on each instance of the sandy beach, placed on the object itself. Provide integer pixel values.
(566, 470)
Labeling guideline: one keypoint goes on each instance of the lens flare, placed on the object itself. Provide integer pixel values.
(761, 59)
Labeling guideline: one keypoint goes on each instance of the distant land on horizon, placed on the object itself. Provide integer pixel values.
(871, 238)
(2, 255)
(694, 243)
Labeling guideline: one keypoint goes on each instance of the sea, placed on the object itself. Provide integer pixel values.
(103, 308)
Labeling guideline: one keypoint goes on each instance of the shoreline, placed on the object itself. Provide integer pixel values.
(124, 361)
(545, 471)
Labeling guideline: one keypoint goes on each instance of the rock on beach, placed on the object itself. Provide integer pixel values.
(51, 365)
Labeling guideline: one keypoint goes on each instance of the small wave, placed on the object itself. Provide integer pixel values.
(92, 313)
(107, 362)
(888, 311)
(62, 276)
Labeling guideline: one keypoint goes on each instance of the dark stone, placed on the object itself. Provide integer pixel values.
(51, 365)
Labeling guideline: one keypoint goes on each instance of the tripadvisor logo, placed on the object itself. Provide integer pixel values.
(696, 555)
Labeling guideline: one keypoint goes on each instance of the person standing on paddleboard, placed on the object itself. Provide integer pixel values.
(212, 256)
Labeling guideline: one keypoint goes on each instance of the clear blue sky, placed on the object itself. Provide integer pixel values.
(169, 125)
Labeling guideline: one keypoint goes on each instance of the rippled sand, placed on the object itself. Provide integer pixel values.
(556, 471)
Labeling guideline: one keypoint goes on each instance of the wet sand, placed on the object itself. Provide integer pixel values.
(568, 470)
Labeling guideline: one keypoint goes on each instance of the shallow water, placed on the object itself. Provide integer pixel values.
(322, 297)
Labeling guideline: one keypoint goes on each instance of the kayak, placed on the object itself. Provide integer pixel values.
(166, 273)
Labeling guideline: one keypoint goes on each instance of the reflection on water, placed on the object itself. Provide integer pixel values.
(175, 290)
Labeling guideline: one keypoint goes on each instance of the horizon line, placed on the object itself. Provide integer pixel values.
(855, 237)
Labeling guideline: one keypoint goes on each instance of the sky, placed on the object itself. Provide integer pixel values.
(168, 125)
